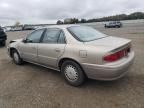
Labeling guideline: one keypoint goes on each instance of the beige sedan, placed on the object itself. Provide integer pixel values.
(79, 52)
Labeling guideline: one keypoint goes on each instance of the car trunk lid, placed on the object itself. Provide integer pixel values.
(110, 43)
(111, 47)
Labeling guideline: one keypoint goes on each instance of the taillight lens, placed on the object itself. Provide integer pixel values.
(117, 55)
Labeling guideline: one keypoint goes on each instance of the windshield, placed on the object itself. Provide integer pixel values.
(85, 34)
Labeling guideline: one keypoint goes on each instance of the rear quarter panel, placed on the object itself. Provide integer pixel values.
(84, 53)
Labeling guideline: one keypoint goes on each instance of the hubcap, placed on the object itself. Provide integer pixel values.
(16, 57)
(71, 73)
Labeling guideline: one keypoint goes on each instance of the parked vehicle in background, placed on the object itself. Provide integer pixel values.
(3, 37)
(28, 27)
(77, 51)
(6, 29)
(113, 24)
(16, 28)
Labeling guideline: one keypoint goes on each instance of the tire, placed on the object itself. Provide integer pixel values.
(4, 43)
(16, 57)
(72, 73)
(105, 26)
(117, 26)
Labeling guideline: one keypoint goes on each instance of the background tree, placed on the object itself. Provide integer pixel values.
(17, 23)
(59, 22)
(83, 21)
(133, 16)
(71, 21)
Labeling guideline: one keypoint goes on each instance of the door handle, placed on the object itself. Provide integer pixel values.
(57, 50)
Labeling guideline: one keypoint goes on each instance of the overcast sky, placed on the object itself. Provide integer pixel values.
(48, 11)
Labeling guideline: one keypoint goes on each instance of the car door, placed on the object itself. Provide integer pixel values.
(28, 48)
(51, 47)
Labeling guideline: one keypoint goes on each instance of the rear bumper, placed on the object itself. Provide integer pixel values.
(111, 71)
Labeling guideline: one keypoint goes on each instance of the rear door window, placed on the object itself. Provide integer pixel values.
(51, 36)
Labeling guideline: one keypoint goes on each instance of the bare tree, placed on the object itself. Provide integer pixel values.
(17, 23)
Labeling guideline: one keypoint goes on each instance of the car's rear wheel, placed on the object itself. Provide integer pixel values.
(72, 73)
(16, 57)
(105, 26)
(118, 26)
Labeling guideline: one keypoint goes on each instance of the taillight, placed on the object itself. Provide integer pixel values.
(117, 55)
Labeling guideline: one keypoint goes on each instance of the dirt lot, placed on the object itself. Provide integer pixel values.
(31, 86)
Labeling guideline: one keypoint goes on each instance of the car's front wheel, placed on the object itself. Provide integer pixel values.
(72, 73)
(16, 57)
(4, 43)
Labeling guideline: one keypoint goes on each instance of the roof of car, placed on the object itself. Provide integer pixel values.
(60, 26)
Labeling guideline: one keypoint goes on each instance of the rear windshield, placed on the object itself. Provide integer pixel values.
(85, 34)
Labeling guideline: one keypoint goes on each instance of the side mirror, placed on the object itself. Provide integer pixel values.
(24, 40)
(27, 41)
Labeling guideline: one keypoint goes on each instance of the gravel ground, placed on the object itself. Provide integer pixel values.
(30, 86)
